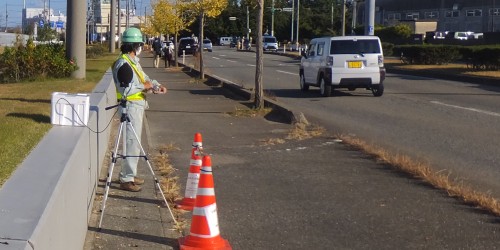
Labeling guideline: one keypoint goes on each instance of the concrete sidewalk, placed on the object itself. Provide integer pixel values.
(279, 193)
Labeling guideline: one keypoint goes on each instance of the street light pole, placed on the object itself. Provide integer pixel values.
(293, 17)
(272, 18)
(343, 18)
(493, 17)
(248, 25)
(297, 33)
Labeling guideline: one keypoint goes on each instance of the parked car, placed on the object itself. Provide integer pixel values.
(343, 62)
(187, 44)
(207, 45)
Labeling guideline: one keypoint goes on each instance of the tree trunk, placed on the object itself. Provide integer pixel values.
(259, 93)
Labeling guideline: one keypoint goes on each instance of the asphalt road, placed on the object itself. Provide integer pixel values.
(299, 194)
(450, 125)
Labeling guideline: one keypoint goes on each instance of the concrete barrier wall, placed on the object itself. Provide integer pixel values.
(47, 202)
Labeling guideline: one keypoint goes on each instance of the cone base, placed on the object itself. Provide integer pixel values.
(191, 243)
(185, 204)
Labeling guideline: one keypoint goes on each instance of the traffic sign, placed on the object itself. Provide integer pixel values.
(288, 9)
(232, 18)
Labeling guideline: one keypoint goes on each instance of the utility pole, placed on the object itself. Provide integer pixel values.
(343, 18)
(112, 24)
(332, 15)
(493, 17)
(293, 17)
(6, 17)
(354, 14)
(119, 21)
(248, 25)
(23, 24)
(272, 18)
(370, 17)
(297, 33)
(127, 13)
(75, 46)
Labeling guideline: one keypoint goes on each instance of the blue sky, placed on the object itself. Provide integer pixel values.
(14, 8)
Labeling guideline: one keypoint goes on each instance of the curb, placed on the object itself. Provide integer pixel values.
(288, 114)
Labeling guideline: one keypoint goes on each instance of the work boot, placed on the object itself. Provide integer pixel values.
(138, 181)
(130, 186)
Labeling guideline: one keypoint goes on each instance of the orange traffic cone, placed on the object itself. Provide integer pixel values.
(204, 233)
(187, 203)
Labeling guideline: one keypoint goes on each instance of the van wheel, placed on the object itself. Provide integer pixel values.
(325, 89)
(303, 84)
(378, 90)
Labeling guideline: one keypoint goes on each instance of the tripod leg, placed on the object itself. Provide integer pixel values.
(110, 173)
(153, 173)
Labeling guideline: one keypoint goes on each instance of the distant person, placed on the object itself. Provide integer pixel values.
(136, 104)
(169, 54)
(156, 52)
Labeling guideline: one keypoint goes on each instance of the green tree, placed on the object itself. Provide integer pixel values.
(169, 18)
(398, 34)
(46, 33)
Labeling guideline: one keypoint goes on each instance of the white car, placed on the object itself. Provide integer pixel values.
(270, 43)
(207, 45)
(343, 62)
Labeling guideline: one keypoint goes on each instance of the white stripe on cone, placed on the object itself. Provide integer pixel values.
(210, 213)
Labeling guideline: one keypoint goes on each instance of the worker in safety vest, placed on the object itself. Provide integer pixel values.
(136, 104)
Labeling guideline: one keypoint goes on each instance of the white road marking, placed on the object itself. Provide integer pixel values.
(251, 65)
(467, 108)
(215, 58)
(286, 72)
(231, 61)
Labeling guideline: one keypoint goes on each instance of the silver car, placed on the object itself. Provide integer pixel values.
(207, 45)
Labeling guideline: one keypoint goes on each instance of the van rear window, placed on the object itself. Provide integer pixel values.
(364, 46)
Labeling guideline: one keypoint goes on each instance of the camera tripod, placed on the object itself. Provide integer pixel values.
(125, 121)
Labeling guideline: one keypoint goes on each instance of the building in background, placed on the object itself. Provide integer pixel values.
(450, 15)
(34, 18)
(99, 18)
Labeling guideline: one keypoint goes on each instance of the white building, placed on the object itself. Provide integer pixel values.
(42, 17)
(99, 18)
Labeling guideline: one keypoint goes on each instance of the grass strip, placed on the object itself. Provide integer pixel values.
(25, 110)
(438, 179)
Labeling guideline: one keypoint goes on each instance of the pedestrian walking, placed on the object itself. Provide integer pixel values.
(169, 54)
(156, 52)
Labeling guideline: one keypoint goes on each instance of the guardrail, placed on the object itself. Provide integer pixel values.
(47, 202)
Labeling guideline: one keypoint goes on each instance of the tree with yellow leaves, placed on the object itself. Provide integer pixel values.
(169, 18)
(202, 9)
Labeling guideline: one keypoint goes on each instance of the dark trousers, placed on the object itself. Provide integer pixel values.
(168, 60)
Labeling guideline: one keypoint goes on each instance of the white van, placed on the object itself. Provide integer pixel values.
(225, 40)
(270, 43)
(343, 62)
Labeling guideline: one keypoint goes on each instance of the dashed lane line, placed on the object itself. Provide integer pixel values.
(467, 108)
